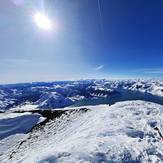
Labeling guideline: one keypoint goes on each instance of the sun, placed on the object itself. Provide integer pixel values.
(42, 21)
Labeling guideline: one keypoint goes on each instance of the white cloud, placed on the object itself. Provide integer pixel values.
(154, 72)
(99, 67)
(151, 70)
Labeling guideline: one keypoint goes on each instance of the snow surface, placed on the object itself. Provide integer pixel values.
(7, 115)
(10, 142)
(123, 132)
(26, 107)
(14, 123)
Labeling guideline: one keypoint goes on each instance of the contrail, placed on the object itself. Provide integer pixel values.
(43, 6)
(100, 16)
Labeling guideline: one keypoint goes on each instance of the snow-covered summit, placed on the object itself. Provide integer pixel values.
(124, 132)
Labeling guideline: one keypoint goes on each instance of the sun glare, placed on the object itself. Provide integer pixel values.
(42, 21)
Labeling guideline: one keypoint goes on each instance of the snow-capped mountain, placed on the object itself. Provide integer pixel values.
(61, 94)
(53, 100)
(82, 121)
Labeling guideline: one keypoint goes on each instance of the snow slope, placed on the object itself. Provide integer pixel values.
(123, 132)
(14, 123)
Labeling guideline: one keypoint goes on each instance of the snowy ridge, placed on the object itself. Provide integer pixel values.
(123, 132)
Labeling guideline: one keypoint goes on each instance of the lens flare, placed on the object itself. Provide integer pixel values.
(42, 21)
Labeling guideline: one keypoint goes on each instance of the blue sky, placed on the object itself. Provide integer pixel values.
(109, 39)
